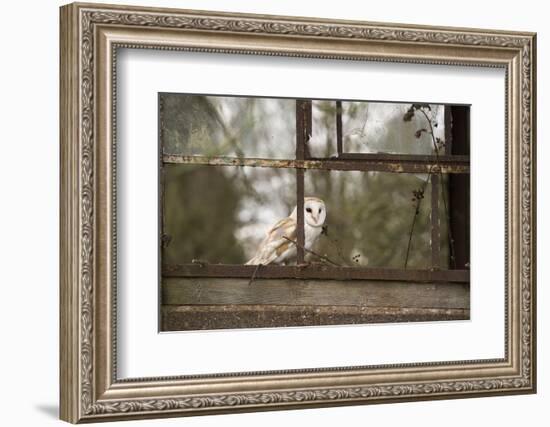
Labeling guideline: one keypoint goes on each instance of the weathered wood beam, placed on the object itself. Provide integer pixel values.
(178, 291)
(188, 318)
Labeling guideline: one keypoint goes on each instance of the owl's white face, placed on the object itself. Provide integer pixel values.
(315, 212)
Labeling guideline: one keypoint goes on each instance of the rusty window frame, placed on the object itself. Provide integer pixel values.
(457, 166)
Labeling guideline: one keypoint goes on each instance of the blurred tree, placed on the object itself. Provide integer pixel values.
(187, 121)
(369, 216)
(200, 216)
(220, 214)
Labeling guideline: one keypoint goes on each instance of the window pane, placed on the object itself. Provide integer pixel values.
(370, 216)
(228, 126)
(323, 129)
(386, 127)
(221, 214)
(379, 127)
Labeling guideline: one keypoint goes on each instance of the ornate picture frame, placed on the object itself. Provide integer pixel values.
(90, 37)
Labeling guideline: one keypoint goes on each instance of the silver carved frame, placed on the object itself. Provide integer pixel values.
(90, 36)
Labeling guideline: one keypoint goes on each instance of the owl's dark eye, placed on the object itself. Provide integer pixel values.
(308, 210)
(320, 210)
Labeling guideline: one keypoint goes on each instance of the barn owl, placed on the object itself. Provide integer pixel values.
(276, 249)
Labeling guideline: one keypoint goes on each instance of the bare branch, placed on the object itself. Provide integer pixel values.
(324, 258)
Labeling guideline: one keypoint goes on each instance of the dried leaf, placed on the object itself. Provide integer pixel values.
(418, 133)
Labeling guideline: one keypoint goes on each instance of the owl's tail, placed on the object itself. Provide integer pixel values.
(256, 260)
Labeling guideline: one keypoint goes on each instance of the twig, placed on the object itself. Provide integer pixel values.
(305, 249)
(416, 212)
(254, 274)
(324, 258)
(334, 242)
(447, 215)
(411, 233)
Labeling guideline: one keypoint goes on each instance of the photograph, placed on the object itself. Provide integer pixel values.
(299, 212)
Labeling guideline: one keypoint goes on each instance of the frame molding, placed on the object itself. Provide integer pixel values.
(90, 36)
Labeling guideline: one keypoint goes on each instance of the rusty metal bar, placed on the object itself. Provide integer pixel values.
(308, 105)
(339, 130)
(301, 138)
(301, 129)
(448, 121)
(414, 158)
(435, 223)
(459, 191)
(301, 239)
(161, 201)
(375, 162)
(314, 271)
(419, 159)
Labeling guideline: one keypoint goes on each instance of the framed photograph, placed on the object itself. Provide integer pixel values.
(266, 212)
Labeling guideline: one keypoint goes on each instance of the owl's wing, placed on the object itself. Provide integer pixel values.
(275, 243)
